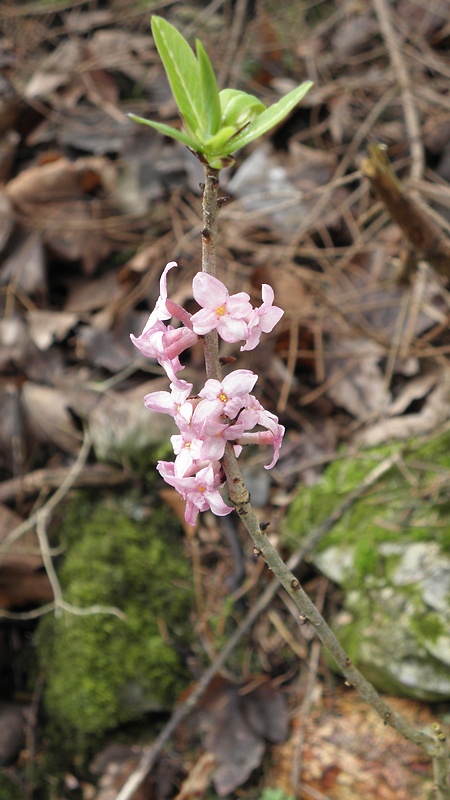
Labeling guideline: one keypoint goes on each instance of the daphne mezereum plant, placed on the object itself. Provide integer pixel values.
(215, 423)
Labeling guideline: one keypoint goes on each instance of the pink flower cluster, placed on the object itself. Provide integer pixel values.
(223, 411)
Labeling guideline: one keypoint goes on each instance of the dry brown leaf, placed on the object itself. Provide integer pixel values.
(89, 295)
(119, 50)
(42, 183)
(110, 348)
(83, 127)
(237, 724)
(23, 555)
(199, 778)
(47, 327)
(48, 417)
(61, 179)
(21, 583)
(75, 233)
(19, 589)
(56, 70)
(24, 269)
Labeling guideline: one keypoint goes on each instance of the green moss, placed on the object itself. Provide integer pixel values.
(408, 504)
(428, 627)
(102, 671)
(9, 790)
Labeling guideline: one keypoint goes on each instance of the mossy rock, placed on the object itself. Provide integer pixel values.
(390, 553)
(100, 670)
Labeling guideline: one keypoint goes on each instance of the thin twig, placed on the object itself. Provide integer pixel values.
(51, 478)
(38, 520)
(412, 119)
(53, 501)
(71, 609)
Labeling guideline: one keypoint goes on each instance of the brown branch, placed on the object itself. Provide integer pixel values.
(420, 230)
(431, 744)
(52, 477)
(210, 206)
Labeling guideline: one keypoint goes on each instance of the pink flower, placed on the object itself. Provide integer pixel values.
(174, 402)
(199, 440)
(262, 319)
(255, 414)
(200, 491)
(220, 310)
(230, 395)
(160, 311)
(164, 342)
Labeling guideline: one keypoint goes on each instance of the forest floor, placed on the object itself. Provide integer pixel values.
(93, 207)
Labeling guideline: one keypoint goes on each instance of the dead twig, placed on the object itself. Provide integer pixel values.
(39, 520)
(91, 475)
(420, 230)
(412, 119)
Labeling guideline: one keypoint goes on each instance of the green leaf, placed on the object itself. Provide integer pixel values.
(217, 142)
(269, 118)
(167, 130)
(239, 108)
(210, 91)
(183, 72)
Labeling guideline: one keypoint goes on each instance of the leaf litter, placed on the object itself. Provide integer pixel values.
(93, 208)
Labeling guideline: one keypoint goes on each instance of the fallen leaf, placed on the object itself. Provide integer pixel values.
(199, 778)
(266, 712)
(47, 327)
(111, 349)
(24, 269)
(89, 295)
(237, 748)
(48, 416)
(23, 555)
(237, 725)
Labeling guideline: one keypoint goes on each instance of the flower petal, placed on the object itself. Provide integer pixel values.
(208, 291)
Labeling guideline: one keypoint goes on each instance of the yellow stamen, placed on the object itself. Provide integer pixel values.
(221, 311)
(223, 397)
